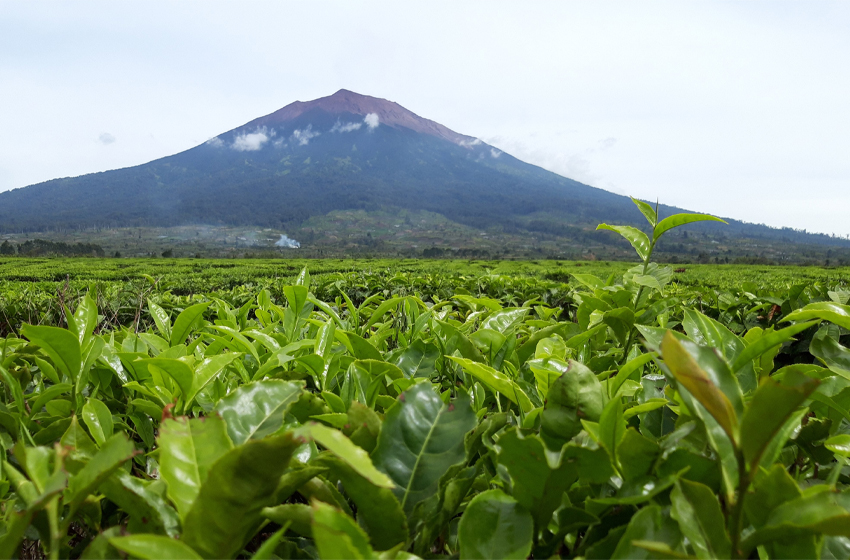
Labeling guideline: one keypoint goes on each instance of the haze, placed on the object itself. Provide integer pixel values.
(738, 109)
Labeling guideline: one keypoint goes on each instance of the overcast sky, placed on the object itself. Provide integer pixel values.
(741, 109)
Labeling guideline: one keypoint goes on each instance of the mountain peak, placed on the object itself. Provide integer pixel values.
(389, 113)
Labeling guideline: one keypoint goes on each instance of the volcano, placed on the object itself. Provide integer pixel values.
(341, 152)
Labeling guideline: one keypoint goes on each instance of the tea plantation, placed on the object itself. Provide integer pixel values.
(403, 409)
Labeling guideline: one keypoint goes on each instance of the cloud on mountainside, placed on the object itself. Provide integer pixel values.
(347, 127)
(372, 120)
(252, 141)
(470, 143)
(215, 142)
(494, 153)
(106, 138)
(303, 137)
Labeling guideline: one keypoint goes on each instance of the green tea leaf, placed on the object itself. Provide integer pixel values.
(677, 220)
(239, 340)
(76, 438)
(337, 535)
(356, 458)
(298, 516)
(539, 478)
(418, 360)
(60, 344)
(98, 419)
(575, 396)
(187, 450)
(14, 388)
(708, 332)
(146, 507)
(420, 439)
(496, 381)
(378, 510)
(839, 444)
(504, 320)
(647, 210)
(186, 321)
(612, 428)
(636, 454)
(205, 372)
(239, 485)
(826, 513)
(766, 342)
(154, 547)
(825, 311)
(769, 409)
(161, 318)
(48, 395)
(704, 388)
(628, 371)
(495, 525)
(112, 454)
(177, 370)
(636, 237)
(546, 372)
(648, 524)
(833, 355)
(621, 320)
(256, 410)
(698, 513)
(454, 486)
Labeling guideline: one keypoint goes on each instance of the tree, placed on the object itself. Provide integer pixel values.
(7, 248)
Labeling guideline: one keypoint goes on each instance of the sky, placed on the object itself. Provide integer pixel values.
(738, 109)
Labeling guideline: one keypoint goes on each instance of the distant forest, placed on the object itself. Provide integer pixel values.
(44, 248)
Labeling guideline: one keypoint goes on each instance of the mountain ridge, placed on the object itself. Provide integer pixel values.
(388, 113)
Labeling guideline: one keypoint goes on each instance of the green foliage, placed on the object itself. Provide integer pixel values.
(618, 418)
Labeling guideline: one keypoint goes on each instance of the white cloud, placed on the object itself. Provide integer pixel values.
(252, 141)
(106, 138)
(575, 163)
(494, 153)
(470, 143)
(303, 137)
(372, 120)
(215, 142)
(347, 127)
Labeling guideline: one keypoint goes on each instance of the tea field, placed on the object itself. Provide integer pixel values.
(402, 409)
(33, 290)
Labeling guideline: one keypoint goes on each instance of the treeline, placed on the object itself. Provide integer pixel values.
(45, 248)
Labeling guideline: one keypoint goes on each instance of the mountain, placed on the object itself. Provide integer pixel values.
(342, 152)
